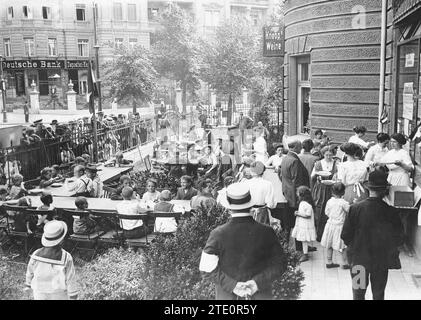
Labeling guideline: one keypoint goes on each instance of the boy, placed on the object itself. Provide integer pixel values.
(84, 224)
(186, 192)
(125, 181)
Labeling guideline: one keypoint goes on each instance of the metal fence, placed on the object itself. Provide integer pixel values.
(73, 142)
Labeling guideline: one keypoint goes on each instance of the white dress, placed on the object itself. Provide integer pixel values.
(336, 210)
(397, 175)
(352, 174)
(304, 229)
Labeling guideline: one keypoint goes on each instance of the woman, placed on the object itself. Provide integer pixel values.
(353, 173)
(377, 152)
(209, 160)
(322, 192)
(357, 138)
(398, 161)
(275, 161)
(260, 148)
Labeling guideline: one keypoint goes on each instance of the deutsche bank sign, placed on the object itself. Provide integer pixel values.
(273, 41)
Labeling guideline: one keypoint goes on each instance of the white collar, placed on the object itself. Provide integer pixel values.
(241, 214)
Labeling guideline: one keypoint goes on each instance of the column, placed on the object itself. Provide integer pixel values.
(114, 105)
(245, 97)
(71, 97)
(34, 99)
(213, 97)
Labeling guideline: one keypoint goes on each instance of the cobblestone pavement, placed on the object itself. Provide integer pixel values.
(335, 284)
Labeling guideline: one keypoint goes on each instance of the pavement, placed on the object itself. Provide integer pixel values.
(335, 284)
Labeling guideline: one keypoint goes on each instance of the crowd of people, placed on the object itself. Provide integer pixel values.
(331, 197)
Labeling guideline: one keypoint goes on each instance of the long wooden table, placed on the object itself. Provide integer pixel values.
(100, 204)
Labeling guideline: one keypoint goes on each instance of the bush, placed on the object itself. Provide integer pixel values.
(164, 181)
(12, 277)
(169, 269)
(116, 275)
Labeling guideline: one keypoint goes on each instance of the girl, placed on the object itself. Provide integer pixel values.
(17, 191)
(46, 178)
(336, 210)
(151, 194)
(51, 272)
(304, 229)
(47, 200)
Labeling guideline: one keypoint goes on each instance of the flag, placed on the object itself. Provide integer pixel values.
(92, 89)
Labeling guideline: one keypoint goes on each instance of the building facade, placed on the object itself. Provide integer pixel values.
(50, 42)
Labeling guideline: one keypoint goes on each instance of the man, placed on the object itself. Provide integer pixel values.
(307, 158)
(243, 257)
(261, 131)
(244, 123)
(293, 175)
(262, 194)
(372, 232)
(39, 129)
(53, 125)
(26, 111)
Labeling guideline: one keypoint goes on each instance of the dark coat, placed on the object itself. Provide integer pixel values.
(247, 250)
(372, 231)
(181, 195)
(293, 175)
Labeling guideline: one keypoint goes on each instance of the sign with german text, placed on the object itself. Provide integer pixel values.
(44, 64)
(273, 41)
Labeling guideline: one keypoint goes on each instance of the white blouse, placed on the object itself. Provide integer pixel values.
(352, 172)
(397, 155)
(357, 140)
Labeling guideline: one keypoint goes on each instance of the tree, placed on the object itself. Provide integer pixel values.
(176, 50)
(130, 76)
(232, 61)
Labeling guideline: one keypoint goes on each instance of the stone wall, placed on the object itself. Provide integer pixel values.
(342, 38)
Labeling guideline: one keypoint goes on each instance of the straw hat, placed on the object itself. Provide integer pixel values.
(54, 233)
(237, 197)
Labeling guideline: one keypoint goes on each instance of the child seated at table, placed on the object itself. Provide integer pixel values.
(17, 191)
(84, 224)
(23, 222)
(151, 194)
(97, 185)
(119, 161)
(47, 200)
(3, 193)
(132, 229)
(125, 181)
(46, 178)
(186, 192)
(204, 200)
(166, 225)
(55, 173)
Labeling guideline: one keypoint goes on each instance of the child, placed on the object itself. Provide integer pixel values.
(51, 273)
(125, 181)
(55, 173)
(336, 210)
(47, 200)
(16, 191)
(186, 192)
(46, 178)
(151, 194)
(85, 224)
(97, 185)
(304, 229)
(22, 223)
(3, 193)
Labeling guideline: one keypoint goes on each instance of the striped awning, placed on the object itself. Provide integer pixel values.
(404, 8)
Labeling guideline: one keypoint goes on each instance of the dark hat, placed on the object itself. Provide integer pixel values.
(377, 180)
(100, 112)
(54, 122)
(92, 167)
(38, 121)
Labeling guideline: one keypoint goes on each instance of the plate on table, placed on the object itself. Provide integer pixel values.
(36, 190)
(324, 173)
(56, 184)
(328, 182)
(12, 202)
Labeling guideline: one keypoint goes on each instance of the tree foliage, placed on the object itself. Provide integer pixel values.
(176, 49)
(130, 76)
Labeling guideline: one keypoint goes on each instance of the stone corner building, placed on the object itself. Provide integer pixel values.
(333, 65)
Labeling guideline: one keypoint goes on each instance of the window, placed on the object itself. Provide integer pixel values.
(83, 47)
(153, 13)
(80, 12)
(118, 43)
(7, 48)
(83, 87)
(211, 18)
(10, 14)
(132, 43)
(29, 46)
(52, 46)
(27, 12)
(118, 11)
(46, 12)
(131, 12)
(303, 94)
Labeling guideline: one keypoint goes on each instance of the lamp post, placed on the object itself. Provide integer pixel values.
(3, 89)
(96, 47)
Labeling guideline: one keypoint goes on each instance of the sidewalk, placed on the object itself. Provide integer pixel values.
(335, 284)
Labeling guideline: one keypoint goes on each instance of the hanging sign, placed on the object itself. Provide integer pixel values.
(273, 41)
(409, 60)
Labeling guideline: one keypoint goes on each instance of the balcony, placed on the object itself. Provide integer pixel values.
(250, 3)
